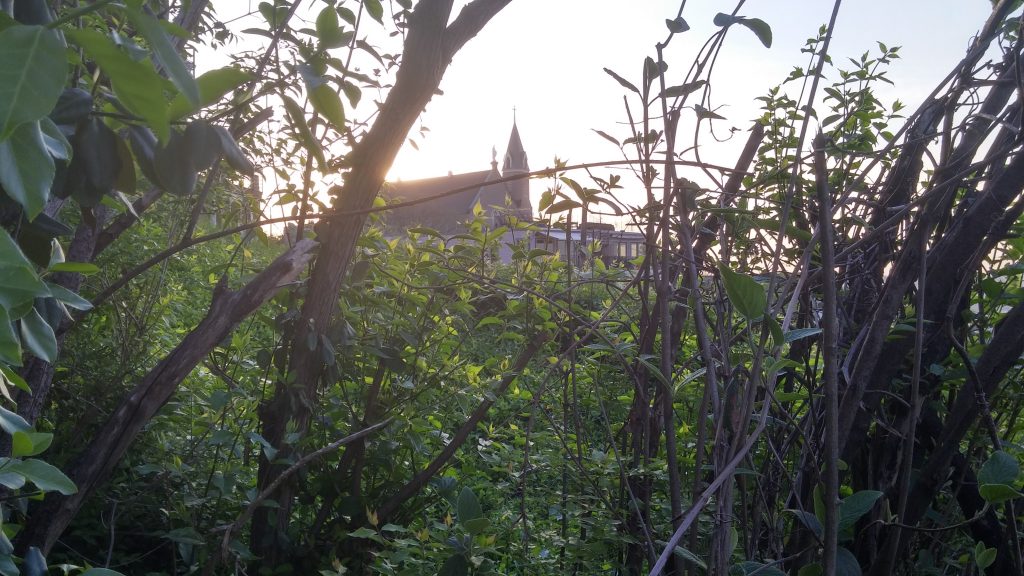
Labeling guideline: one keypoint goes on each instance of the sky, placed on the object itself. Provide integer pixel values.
(544, 58)
(542, 61)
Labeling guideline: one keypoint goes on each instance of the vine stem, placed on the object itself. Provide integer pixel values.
(830, 357)
(242, 518)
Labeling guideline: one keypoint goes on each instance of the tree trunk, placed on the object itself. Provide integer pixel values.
(430, 45)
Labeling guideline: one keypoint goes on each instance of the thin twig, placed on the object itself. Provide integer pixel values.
(287, 473)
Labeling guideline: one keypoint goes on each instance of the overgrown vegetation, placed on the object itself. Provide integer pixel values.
(814, 369)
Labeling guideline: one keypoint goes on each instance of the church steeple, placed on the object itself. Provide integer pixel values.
(515, 154)
(515, 163)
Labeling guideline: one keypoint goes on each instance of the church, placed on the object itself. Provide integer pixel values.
(453, 197)
(447, 204)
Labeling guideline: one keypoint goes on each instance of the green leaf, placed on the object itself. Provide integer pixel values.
(202, 144)
(810, 521)
(468, 507)
(690, 557)
(327, 102)
(26, 168)
(774, 329)
(677, 25)
(562, 206)
(653, 70)
(6, 21)
(173, 165)
(68, 298)
(213, 85)
(363, 532)
(165, 54)
(7, 565)
(19, 284)
(56, 144)
(607, 137)
(705, 114)
(100, 572)
(143, 144)
(136, 83)
(745, 293)
(328, 30)
(683, 89)
(622, 81)
(126, 179)
(73, 106)
(34, 563)
(488, 321)
(186, 535)
(347, 15)
(232, 152)
(75, 267)
(12, 481)
(11, 422)
(1000, 468)
(32, 75)
(6, 548)
(654, 369)
(96, 154)
(477, 525)
(352, 92)
(856, 505)
(722, 19)
(782, 364)
(760, 28)
(984, 557)
(998, 493)
(846, 563)
(375, 9)
(30, 443)
(241, 551)
(298, 120)
(455, 565)
(274, 15)
(10, 345)
(38, 337)
(789, 396)
(800, 334)
(45, 476)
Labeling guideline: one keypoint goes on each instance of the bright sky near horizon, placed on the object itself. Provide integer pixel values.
(545, 58)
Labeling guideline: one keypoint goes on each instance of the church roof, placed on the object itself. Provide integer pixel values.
(445, 210)
(444, 214)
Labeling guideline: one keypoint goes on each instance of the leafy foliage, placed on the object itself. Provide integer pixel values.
(544, 415)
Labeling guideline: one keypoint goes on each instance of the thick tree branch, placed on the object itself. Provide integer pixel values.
(94, 464)
(428, 50)
(473, 17)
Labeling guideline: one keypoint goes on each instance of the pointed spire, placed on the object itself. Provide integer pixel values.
(515, 154)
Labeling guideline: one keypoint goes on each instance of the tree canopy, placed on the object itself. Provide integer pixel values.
(812, 366)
